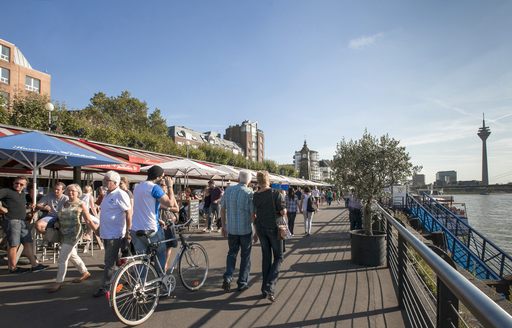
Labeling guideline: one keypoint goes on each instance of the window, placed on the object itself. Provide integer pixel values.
(6, 53)
(5, 75)
(4, 98)
(181, 133)
(32, 84)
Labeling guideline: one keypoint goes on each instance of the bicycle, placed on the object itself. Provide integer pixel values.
(135, 289)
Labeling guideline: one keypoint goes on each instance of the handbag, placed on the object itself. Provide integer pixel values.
(52, 235)
(283, 232)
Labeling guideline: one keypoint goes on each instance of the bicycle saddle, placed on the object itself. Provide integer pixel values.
(144, 233)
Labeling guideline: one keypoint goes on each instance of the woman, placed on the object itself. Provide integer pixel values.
(307, 198)
(70, 228)
(292, 203)
(124, 184)
(268, 207)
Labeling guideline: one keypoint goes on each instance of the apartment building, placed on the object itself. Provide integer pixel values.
(250, 138)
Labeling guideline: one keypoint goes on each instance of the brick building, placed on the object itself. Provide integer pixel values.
(17, 76)
(250, 138)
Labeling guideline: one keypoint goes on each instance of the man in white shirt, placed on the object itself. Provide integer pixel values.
(115, 221)
(148, 196)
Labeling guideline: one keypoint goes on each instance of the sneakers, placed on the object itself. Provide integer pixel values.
(226, 285)
(206, 230)
(39, 267)
(18, 270)
(242, 288)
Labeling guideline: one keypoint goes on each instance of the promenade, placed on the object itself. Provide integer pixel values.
(318, 287)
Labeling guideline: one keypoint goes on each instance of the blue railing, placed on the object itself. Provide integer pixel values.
(493, 256)
(458, 249)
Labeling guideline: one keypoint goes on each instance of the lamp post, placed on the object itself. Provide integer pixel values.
(188, 145)
(49, 107)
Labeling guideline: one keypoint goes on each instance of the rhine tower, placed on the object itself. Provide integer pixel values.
(484, 133)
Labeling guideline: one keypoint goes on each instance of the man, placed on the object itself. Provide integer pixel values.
(115, 222)
(51, 204)
(354, 211)
(15, 226)
(237, 227)
(148, 196)
(215, 197)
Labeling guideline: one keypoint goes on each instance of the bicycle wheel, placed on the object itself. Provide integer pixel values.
(134, 292)
(193, 266)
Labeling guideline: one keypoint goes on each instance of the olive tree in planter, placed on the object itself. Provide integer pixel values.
(369, 165)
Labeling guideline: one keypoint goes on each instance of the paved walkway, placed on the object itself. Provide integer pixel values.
(318, 287)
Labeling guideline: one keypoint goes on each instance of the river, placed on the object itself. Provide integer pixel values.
(491, 215)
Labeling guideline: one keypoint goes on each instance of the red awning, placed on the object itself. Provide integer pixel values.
(131, 155)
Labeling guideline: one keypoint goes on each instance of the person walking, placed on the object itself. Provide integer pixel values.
(306, 207)
(268, 205)
(115, 222)
(354, 211)
(236, 215)
(292, 204)
(70, 228)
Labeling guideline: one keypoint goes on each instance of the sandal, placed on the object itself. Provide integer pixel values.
(84, 276)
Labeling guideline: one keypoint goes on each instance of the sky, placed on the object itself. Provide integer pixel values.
(423, 72)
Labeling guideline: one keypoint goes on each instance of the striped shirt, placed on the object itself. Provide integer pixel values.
(291, 204)
(237, 201)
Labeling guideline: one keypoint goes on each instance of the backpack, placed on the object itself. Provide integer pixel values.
(311, 206)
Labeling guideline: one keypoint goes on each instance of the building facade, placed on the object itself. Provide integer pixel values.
(325, 170)
(18, 76)
(184, 136)
(307, 164)
(250, 138)
(444, 178)
(418, 180)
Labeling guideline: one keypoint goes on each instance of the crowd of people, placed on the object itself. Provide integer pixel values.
(244, 213)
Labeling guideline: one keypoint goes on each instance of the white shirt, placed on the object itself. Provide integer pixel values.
(113, 214)
(146, 197)
(305, 203)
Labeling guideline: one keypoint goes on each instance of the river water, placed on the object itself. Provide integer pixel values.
(491, 215)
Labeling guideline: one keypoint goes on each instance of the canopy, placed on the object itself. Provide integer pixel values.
(231, 172)
(188, 168)
(36, 150)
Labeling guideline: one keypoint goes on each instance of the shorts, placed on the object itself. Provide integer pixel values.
(17, 232)
(169, 233)
(50, 220)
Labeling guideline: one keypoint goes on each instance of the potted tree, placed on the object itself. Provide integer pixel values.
(369, 165)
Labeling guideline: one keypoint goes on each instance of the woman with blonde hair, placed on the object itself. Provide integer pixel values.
(268, 206)
(70, 229)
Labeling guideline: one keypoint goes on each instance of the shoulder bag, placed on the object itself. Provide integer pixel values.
(283, 232)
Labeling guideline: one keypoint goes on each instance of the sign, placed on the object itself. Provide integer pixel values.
(194, 211)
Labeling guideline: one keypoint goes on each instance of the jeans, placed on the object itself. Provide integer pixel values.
(112, 247)
(291, 221)
(214, 210)
(236, 242)
(141, 245)
(272, 257)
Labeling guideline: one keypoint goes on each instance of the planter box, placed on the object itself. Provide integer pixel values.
(368, 250)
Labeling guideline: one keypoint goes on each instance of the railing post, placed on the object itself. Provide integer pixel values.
(402, 260)
(388, 242)
(447, 307)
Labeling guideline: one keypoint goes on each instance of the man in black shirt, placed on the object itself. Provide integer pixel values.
(15, 226)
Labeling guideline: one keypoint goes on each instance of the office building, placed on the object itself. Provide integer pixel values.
(444, 178)
(250, 138)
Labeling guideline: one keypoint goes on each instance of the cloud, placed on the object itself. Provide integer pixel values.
(364, 41)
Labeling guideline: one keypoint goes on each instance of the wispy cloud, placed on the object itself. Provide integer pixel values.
(364, 41)
(445, 105)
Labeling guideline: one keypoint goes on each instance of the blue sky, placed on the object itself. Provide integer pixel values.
(422, 71)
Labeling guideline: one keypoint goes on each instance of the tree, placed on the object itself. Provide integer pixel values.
(369, 165)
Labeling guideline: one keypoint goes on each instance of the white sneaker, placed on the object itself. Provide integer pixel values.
(206, 230)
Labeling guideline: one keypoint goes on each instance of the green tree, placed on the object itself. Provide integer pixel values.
(28, 111)
(369, 165)
(288, 170)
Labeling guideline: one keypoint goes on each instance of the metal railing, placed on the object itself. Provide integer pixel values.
(492, 255)
(430, 289)
(459, 251)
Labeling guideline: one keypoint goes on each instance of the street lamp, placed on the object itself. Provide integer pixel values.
(49, 107)
(188, 145)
